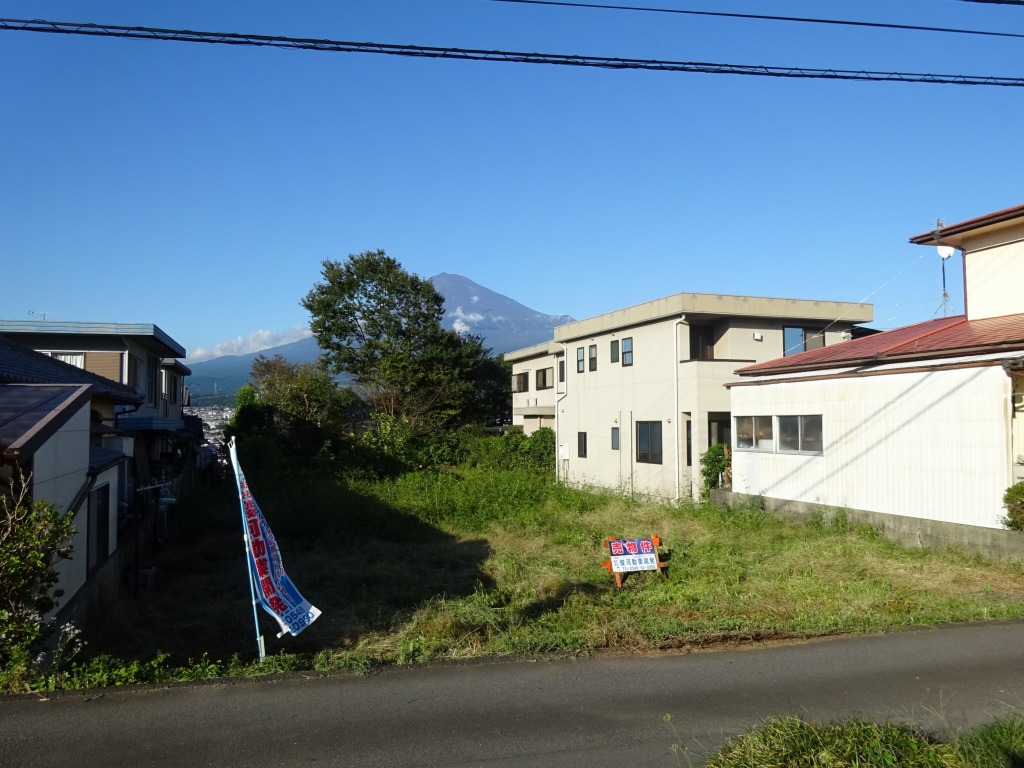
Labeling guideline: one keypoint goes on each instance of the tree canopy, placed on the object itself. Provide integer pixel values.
(382, 325)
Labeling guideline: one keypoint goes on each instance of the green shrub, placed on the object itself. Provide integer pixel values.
(105, 670)
(715, 464)
(1013, 500)
(33, 537)
(514, 450)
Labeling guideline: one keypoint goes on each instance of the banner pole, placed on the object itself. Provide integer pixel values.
(248, 555)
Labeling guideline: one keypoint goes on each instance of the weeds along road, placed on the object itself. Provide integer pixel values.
(592, 712)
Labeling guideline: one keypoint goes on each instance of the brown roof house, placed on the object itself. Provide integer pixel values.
(918, 430)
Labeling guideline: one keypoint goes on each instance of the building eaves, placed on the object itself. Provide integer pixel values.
(537, 350)
(711, 307)
(951, 234)
(147, 334)
(176, 365)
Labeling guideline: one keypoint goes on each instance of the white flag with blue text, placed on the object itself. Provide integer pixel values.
(271, 585)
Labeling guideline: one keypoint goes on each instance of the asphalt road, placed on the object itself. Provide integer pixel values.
(592, 712)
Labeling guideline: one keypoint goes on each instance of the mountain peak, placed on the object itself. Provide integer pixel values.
(503, 323)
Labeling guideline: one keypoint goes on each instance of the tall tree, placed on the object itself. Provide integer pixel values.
(301, 391)
(382, 325)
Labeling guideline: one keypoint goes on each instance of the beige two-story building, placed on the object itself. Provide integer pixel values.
(636, 395)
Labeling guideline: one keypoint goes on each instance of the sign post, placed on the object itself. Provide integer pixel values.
(626, 556)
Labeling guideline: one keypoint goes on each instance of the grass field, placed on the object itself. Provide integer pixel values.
(468, 563)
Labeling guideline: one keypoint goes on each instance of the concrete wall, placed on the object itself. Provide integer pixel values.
(908, 531)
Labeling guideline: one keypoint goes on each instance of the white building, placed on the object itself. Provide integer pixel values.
(636, 395)
(922, 422)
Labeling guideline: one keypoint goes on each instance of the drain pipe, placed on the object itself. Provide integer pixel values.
(558, 403)
(675, 399)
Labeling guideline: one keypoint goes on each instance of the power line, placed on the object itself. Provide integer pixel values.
(763, 17)
(601, 62)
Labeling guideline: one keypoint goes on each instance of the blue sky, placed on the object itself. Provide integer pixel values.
(200, 187)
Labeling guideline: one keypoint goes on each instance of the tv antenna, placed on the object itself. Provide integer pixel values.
(33, 313)
(944, 251)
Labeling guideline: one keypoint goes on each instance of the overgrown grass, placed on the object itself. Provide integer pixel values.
(790, 742)
(466, 563)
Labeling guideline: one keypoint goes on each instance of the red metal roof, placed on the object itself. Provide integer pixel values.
(943, 337)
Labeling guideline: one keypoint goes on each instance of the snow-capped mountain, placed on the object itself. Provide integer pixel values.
(503, 323)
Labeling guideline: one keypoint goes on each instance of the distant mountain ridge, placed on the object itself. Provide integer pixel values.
(503, 323)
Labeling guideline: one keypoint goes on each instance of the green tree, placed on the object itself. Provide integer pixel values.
(494, 391)
(382, 325)
(34, 536)
(302, 392)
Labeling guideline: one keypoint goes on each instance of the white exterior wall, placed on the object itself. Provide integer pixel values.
(993, 277)
(618, 395)
(60, 470)
(535, 408)
(934, 445)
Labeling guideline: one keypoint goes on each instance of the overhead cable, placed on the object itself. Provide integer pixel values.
(601, 62)
(764, 17)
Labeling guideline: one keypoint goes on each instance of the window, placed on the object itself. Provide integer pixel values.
(561, 370)
(796, 340)
(648, 442)
(581, 444)
(545, 378)
(615, 438)
(614, 349)
(76, 359)
(627, 351)
(579, 360)
(521, 382)
(134, 373)
(754, 433)
(702, 342)
(719, 428)
(173, 387)
(153, 380)
(689, 442)
(593, 357)
(800, 434)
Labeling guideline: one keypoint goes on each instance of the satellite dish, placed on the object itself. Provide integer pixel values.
(945, 251)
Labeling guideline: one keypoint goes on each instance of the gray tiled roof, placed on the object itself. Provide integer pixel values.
(31, 413)
(21, 365)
